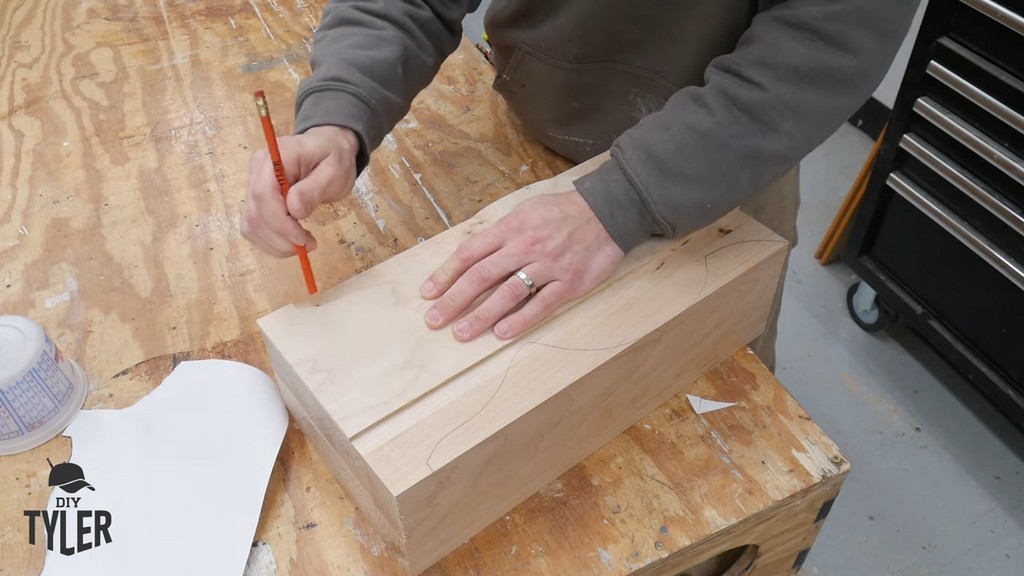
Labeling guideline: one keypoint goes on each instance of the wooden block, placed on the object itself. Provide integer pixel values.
(435, 439)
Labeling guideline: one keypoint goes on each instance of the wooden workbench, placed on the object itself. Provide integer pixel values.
(126, 129)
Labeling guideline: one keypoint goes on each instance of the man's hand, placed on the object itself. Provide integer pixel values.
(321, 164)
(555, 239)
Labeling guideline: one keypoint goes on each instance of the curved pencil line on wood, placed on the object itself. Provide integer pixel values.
(707, 271)
(505, 377)
(508, 369)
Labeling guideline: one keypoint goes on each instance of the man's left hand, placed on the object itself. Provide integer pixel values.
(555, 239)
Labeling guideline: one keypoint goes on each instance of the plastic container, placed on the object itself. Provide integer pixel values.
(41, 391)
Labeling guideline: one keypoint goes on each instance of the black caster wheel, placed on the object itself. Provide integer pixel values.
(866, 309)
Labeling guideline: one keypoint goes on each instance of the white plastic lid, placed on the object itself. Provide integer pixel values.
(21, 343)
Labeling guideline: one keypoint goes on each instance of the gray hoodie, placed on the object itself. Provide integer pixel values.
(702, 102)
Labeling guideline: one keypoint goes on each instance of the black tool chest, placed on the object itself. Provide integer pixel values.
(940, 233)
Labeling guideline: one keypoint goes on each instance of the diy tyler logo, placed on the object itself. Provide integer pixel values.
(93, 526)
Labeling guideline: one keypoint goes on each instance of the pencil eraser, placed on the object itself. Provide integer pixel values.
(260, 94)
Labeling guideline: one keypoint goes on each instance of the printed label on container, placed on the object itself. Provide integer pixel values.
(38, 396)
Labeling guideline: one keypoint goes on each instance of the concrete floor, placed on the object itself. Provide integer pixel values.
(938, 481)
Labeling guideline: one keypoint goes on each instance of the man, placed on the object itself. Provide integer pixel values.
(705, 105)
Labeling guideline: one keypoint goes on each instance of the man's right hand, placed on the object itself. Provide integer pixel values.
(320, 164)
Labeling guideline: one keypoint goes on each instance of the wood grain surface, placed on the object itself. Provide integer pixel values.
(363, 375)
(489, 426)
(126, 128)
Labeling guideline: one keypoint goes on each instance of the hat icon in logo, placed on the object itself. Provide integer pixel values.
(68, 477)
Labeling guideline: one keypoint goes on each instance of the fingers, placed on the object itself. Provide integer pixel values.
(328, 182)
(561, 244)
(537, 308)
(465, 257)
(477, 280)
(257, 232)
(266, 209)
(304, 195)
(505, 298)
(271, 245)
(322, 165)
(265, 220)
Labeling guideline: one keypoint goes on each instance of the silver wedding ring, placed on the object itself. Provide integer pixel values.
(528, 281)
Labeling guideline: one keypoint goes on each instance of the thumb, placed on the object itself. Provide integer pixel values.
(324, 184)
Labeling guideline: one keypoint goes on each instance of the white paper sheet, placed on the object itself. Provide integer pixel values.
(182, 473)
(703, 405)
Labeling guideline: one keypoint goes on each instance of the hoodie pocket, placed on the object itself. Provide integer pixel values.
(578, 109)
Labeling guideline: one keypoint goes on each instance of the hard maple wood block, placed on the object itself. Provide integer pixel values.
(435, 439)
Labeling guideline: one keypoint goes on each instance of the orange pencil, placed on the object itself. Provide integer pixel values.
(275, 157)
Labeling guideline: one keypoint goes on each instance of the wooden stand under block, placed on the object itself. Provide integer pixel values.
(435, 439)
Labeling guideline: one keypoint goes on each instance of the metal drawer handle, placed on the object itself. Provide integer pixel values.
(956, 226)
(1000, 14)
(982, 145)
(976, 95)
(955, 175)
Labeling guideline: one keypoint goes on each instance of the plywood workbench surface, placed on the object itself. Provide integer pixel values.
(125, 134)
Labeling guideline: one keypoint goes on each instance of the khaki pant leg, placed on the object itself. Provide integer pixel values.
(776, 207)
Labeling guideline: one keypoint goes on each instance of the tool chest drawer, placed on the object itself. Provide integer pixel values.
(992, 29)
(991, 217)
(916, 247)
(940, 233)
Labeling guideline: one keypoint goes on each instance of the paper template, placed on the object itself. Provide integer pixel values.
(703, 405)
(181, 476)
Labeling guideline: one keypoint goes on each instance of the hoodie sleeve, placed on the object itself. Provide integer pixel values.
(800, 70)
(371, 58)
